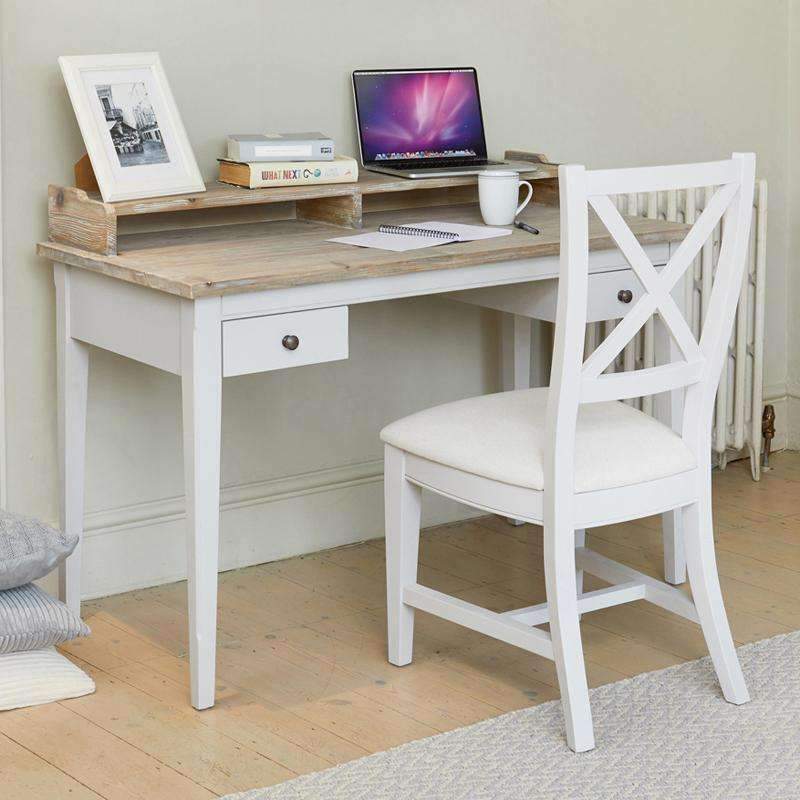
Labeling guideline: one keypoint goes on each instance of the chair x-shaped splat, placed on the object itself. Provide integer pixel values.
(657, 286)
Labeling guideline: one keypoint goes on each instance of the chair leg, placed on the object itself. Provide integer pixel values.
(704, 580)
(580, 541)
(561, 580)
(403, 506)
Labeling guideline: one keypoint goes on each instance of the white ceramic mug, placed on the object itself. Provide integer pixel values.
(498, 193)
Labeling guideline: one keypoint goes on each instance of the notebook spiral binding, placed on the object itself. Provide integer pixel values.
(408, 230)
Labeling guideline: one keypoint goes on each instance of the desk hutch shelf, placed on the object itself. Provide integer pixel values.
(78, 217)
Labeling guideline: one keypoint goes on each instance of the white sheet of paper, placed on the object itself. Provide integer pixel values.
(399, 243)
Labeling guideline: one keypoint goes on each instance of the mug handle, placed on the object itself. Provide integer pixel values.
(527, 200)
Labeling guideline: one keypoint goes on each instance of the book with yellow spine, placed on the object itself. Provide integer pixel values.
(261, 174)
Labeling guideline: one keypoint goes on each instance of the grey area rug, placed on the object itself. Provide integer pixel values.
(666, 735)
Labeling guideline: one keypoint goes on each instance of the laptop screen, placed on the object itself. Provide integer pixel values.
(418, 114)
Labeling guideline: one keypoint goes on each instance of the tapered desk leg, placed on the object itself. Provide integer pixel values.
(669, 409)
(515, 358)
(73, 376)
(201, 377)
(516, 352)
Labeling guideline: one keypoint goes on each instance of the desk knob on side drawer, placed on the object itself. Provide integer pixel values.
(290, 342)
(625, 295)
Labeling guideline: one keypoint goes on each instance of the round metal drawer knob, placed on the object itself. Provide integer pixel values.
(624, 295)
(290, 342)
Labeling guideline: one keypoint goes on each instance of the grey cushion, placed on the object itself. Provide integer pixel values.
(29, 549)
(30, 619)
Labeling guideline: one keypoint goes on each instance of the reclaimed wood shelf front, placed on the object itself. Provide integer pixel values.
(79, 218)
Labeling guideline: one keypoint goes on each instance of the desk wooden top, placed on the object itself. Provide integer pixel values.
(245, 257)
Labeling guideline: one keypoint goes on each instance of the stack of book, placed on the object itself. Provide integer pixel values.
(284, 159)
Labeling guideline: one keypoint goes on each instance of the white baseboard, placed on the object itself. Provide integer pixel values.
(145, 544)
(793, 422)
(100, 523)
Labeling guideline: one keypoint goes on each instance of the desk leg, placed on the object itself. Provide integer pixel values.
(669, 409)
(73, 378)
(515, 358)
(515, 363)
(201, 378)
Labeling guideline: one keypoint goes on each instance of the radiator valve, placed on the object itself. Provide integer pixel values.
(768, 432)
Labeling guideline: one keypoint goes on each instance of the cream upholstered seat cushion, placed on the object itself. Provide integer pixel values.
(502, 436)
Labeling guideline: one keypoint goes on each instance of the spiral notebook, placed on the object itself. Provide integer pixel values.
(399, 238)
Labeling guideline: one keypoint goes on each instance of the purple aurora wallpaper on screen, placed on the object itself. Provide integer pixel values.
(419, 115)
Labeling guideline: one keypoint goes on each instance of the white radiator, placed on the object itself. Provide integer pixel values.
(737, 422)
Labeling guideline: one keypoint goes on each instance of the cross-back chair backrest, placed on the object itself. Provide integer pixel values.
(575, 381)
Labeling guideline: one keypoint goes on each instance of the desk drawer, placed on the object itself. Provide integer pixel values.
(277, 341)
(608, 293)
(612, 295)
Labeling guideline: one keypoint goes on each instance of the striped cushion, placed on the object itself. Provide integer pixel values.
(30, 619)
(29, 549)
(40, 676)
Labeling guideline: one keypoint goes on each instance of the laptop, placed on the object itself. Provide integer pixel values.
(422, 123)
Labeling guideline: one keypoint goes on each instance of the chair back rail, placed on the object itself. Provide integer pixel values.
(729, 204)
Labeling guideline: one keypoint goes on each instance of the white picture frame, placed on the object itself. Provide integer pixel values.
(131, 126)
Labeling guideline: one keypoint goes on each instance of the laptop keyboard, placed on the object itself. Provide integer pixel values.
(438, 163)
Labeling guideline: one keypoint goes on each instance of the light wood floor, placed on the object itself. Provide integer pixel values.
(303, 682)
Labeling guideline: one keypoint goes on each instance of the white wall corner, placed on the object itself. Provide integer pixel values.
(791, 419)
(793, 424)
(792, 394)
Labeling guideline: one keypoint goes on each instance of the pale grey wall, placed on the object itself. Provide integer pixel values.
(604, 83)
(793, 279)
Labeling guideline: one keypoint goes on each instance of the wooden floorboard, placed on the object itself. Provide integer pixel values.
(303, 682)
(25, 774)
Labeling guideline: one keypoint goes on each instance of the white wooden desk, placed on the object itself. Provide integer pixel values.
(213, 302)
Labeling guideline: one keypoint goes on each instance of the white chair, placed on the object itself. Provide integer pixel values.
(573, 456)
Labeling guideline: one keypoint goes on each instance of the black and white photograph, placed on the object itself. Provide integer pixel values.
(132, 124)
